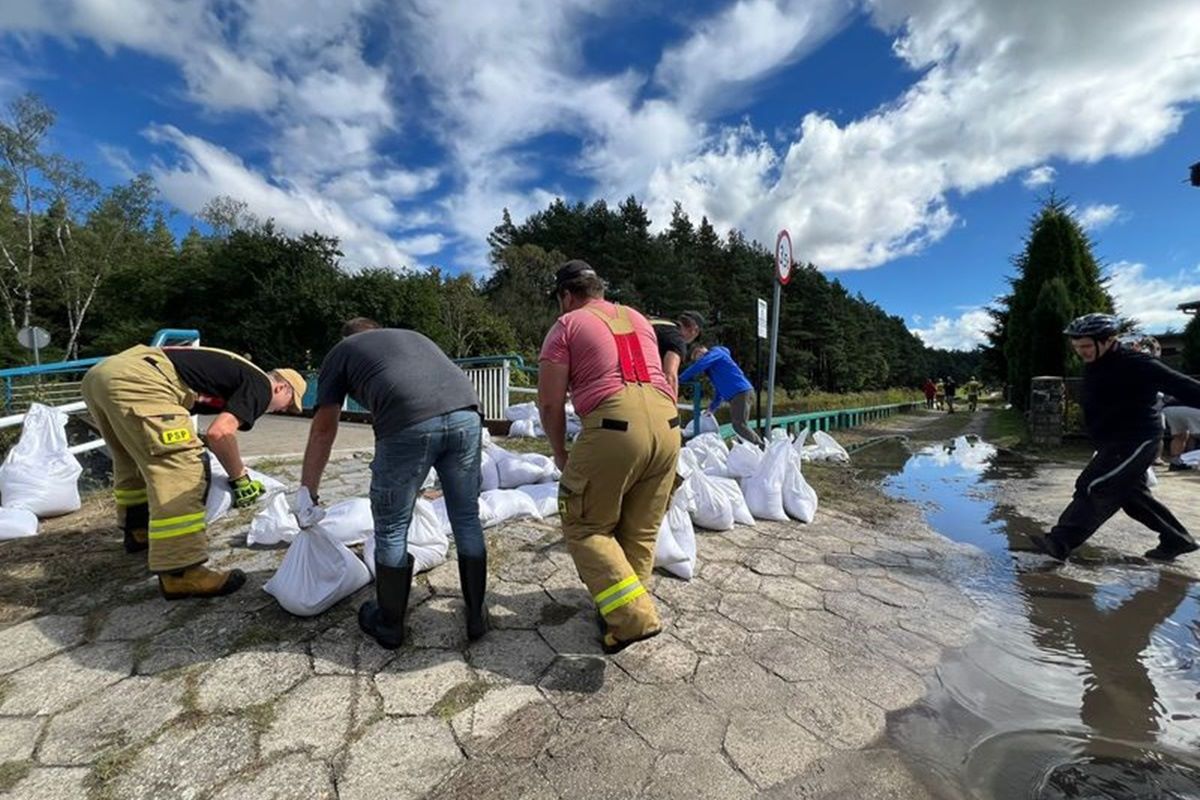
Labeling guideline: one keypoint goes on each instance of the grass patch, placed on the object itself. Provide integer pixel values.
(12, 772)
(525, 445)
(269, 465)
(459, 698)
(839, 489)
(1006, 428)
(108, 767)
(257, 636)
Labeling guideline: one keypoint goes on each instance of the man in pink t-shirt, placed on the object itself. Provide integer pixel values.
(618, 478)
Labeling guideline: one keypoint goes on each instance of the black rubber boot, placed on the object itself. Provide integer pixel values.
(137, 526)
(472, 576)
(383, 618)
(1169, 552)
(1051, 547)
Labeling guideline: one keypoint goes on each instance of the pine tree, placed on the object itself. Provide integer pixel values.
(1191, 346)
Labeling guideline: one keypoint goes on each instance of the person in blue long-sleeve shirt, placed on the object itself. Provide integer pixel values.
(729, 385)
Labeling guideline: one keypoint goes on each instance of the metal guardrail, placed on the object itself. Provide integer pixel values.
(831, 419)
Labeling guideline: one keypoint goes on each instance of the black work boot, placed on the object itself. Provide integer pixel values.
(1051, 547)
(472, 575)
(1171, 551)
(383, 618)
(137, 528)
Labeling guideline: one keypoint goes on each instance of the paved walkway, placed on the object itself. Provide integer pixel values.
(773, 678)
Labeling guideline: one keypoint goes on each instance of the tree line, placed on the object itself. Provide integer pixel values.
(102, 270)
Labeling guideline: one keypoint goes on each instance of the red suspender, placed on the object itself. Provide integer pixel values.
(629, 347)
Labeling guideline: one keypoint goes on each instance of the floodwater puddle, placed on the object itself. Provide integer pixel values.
(1082, 680)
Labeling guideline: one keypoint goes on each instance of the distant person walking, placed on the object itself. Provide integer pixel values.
(930, 389)
(939, 393)
(951, 388)
(972, 388)
(729, 385)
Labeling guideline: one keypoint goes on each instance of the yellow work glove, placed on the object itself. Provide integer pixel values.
(245, 491)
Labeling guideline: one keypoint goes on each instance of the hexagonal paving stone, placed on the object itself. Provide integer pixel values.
(767, 562)
(295, 777)
(676, 719)
(137, 621)
(904, 647)
(345, 650)
(417, 679)
(514, 605)
(887, 685)
(844, 640)
(863, 774)
(51, 782)
(769, 747)
(891, 593)
(583, 687)
(730, 577)
(495, 779)
(710, 634)
(825, 577)
(315, 716)
(577, 635)
(399, 757)
(688, 595)
(443, 579)
(881, 555)
(712, 547)
(797, 551)
(791, 657)
(834, 714)
(942, 630)
(739, 683)
(856, 566)
(511, 656)
(440, 622)
(67, 678)
(508, 722)
(597, 759)
(18, 736)
(199, 640)
(524, 567)
(791, 592)
(682, 776)
(663, 659)
(860, 609)
(753, 612)
(22, 645)
(249, 679)
(120, 715)
(187, 762)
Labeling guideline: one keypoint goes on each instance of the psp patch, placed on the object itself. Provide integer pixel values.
(176, 435)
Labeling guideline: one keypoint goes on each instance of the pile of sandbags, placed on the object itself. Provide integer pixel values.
(220, 493)
(527, 421)
(39, 476)
(824, 448)
(675, 550)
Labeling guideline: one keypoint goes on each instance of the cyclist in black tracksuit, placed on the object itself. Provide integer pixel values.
(1118, 396)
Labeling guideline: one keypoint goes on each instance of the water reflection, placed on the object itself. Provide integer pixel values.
(1083, 681)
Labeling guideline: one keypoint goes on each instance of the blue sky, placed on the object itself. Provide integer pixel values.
(904, 143)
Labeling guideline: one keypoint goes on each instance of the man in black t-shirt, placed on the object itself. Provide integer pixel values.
(141, 400)
(673, 340)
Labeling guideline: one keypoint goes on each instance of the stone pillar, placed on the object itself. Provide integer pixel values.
(1046, 410)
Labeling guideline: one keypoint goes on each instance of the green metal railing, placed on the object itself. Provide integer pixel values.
(831, 419)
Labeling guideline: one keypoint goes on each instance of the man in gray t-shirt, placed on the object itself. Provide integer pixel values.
(426, 415)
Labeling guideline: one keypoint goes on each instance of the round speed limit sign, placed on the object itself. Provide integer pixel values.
(783, 257)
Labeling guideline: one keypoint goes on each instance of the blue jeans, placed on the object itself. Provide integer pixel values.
(448, 443)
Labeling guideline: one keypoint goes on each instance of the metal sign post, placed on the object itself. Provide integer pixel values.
(783, 273)
(758, 376)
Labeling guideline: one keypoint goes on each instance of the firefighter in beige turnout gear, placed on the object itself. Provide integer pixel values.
(617, 481)
(141, 401)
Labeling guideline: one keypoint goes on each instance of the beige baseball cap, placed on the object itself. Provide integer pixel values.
(299, 386)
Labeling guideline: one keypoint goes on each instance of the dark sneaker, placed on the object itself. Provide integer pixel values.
(1051, 547)
(1170, 553)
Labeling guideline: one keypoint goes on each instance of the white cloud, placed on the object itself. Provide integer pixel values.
(1039, 176)
(1152, 301)
(1097, 216)
(964, 332)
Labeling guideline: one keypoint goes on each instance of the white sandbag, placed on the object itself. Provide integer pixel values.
(525, 429)
(780, 433)
(1151, 478)
(350, 521)
(737, 501)
(711, 452)
(17, 523)
(524, 468)
(799, 498)
(708, 424)
(431, 480)
(317, 572)
(825, 448)
(275, 523)
(744, 460)
(764, 489)
(488, 472)
(712, 507)
(39, 474)
(675, 550)
(544, 496)
(800, 441)
(1191, 458)
(509, 504)
(485, 438)
(521, 411)
(428, 540)
(220, 494)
